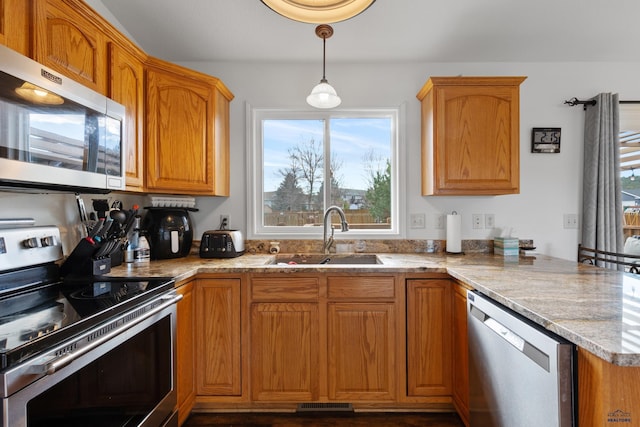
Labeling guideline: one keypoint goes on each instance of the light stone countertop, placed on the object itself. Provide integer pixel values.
(595, 308)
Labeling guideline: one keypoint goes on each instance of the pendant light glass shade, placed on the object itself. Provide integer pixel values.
(323, 95)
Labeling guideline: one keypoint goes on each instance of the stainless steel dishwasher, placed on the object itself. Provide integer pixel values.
(519, 374)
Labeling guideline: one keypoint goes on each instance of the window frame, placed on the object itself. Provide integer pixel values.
(255, 194)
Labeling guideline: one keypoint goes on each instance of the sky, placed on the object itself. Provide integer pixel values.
(351, 139)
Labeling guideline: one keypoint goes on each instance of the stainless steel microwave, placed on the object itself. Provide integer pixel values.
(55, 133)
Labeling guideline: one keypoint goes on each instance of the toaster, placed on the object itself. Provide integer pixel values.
(221, 244)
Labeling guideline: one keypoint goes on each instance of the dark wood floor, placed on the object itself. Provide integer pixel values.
(325, 420)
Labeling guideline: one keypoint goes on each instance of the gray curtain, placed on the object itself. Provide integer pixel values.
(601, 195)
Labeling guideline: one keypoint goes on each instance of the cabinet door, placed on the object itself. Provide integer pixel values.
(70, 43)
(185, 355)
(180, 151)
(460, 353)
(471, 135)
(15, 31)
(361, 351)
(126, 86)
(429, 337)
(284, 351)
(218, 337)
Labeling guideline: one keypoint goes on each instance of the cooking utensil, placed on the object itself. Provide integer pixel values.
(119, 216)
(96, 228)
(83, 213)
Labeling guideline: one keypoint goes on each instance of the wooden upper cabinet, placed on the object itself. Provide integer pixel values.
(187, 131)
(471, 135)
(70, 42)
(14, 25)
(126, 86)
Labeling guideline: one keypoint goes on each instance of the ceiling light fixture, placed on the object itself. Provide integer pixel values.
(318, 11)
(323, 95)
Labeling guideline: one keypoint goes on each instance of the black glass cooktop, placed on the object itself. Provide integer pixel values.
(38, 316)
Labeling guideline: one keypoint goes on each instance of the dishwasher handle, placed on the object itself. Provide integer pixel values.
(536, 355)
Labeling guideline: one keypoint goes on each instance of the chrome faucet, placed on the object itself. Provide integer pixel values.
(327, 223)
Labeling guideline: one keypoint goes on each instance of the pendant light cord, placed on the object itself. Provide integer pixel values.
(324, 31)
(324, 50)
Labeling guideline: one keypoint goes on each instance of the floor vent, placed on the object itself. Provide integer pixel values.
(325, 407)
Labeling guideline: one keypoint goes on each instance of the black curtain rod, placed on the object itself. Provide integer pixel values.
(575, 101)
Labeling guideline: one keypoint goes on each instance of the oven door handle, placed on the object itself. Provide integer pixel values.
(52, 367)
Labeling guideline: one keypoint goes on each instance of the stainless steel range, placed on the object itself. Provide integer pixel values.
(92, 351)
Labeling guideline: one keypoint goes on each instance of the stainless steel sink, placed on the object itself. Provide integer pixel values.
(332, 259)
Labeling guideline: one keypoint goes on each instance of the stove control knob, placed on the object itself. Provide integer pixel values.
(30, 243)
(48, 241)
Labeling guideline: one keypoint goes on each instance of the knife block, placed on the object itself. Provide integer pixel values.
(81, 261)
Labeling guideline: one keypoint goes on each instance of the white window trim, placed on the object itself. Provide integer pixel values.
(255, 230)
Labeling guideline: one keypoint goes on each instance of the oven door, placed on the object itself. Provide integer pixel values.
(128, 380)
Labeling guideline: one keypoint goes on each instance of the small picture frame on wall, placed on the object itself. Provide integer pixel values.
(545, 140)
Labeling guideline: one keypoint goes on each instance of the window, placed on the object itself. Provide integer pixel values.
(630, 165)
(304, 162)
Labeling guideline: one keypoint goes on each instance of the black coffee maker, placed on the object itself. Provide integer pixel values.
(169, 231)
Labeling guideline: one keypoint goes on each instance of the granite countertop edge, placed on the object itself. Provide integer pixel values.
(540, 288)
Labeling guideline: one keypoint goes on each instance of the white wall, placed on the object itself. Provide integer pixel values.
(550, 183)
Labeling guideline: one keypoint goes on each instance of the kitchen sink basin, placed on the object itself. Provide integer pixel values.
(332, 259)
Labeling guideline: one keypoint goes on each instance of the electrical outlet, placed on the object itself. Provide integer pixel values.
(417, 220)
(489, 220)
(570, 220)
(224, 221)
(477, 221)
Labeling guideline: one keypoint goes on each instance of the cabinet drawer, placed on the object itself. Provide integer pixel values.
(284, 288)
(361, 287)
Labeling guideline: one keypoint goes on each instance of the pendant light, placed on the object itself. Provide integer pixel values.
(323, 95)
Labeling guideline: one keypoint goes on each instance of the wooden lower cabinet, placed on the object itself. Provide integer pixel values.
(324, 338)
(379, 341)
(285, 338)
(460, 352)
(217, 326)
(429, 337)
(608, 395)
(284, 351)
(362, 347)
(185, 356)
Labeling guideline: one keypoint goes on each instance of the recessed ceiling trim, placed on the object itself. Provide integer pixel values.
(318, 11)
